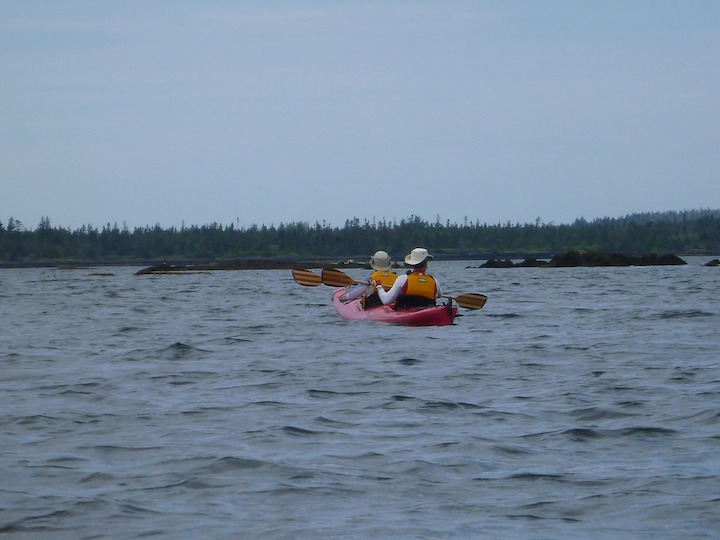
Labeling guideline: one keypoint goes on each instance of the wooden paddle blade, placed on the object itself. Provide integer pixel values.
(306, 277)
(336, 278)
(470, 300)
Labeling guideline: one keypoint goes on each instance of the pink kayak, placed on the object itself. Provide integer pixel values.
(442, 315)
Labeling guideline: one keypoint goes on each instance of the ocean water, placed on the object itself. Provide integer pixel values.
(579, 403)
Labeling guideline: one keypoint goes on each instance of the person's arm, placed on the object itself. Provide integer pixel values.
(357, 291)
(438, 290)
(388, 297)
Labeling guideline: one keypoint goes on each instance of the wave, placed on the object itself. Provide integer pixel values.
(448, 405)
(598, 413)
(584, 434)
(326, 394)
(179, 351)
(301, 432)
(683, 314)
(231, 463)
(409, 361)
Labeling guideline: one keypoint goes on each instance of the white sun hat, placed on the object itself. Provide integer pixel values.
(417, 256)
(381, 261)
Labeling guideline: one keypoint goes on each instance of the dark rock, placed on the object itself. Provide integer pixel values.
(498, 263)
(653, 259)
(714, 262)
(162, 268)
(532, 262)
(598, 258)
(245, 264)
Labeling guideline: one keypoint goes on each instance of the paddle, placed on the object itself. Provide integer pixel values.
(338, 278)
(306, 277)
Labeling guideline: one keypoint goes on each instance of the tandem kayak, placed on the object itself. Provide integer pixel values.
(441, 315)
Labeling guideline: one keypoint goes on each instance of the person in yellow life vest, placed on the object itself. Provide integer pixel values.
(382, 275)
(417, 288)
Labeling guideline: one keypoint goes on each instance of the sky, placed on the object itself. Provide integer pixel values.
(177, 112)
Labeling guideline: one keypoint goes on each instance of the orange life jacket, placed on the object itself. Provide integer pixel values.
(386, 277)
(421, 286)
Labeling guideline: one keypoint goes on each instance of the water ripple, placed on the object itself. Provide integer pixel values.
(579, 403)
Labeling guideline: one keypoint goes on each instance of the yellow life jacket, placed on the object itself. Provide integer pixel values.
(420, 285)
(386, 277)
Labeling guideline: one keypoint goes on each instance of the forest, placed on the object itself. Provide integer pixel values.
(680, 232)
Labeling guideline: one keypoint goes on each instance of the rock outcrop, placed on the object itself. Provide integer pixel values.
(598, 258)
(589, 258)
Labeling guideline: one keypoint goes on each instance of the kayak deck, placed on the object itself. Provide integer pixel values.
(442, 315)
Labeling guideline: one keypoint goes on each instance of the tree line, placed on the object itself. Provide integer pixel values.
(689, 231)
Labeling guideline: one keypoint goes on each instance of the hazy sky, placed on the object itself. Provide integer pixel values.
(169, 111)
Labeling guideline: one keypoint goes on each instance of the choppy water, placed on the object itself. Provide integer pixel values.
(579, 403)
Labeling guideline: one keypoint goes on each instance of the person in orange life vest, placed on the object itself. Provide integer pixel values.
(416, 288)
(381, 264)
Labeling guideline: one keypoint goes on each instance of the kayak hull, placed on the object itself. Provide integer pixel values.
(442, 315)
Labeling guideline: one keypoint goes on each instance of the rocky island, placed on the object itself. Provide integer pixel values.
(589, 258)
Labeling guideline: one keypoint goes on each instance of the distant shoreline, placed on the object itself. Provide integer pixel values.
(573, 258)
(178, 265)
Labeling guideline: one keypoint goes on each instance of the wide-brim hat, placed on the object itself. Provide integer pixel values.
(381, 261)
(418, 256)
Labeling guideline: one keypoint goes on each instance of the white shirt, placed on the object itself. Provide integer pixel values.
(388, 297)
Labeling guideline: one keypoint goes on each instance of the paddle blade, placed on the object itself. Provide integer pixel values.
(336, 278)
(306, 277)
(470, 300)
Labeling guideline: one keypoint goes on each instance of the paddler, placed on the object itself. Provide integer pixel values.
(382, 275)
(417, 288)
